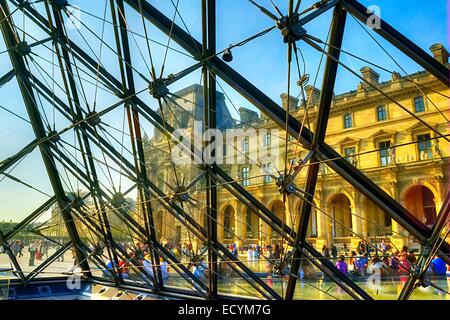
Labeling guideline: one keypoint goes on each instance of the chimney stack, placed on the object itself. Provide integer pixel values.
(247, 115)
(293, 102)
(370, 75)
(440, 53)
(312, 95)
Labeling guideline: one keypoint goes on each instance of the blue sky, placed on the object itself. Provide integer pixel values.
(262, 61)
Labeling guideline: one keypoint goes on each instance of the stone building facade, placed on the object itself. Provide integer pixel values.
(363, 126)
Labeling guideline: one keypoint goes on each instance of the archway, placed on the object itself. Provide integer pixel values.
(420, 201)
(342, 216)
(229, 222)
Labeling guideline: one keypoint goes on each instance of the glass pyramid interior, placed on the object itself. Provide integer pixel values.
(145, 151)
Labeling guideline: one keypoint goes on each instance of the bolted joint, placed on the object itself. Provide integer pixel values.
(77, 203)
(158, 88)
(54, 136)
(22, 48)
(93, 119)
(291, 28)
(181, 194)
(286, 185)
(118, 200)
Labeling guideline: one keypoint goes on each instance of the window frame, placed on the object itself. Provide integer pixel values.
(385, 156)
(350, 116)
(245, 179)
(428, 150)
(384, 112)
(422, 104)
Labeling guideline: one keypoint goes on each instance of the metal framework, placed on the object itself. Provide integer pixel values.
(87, 125)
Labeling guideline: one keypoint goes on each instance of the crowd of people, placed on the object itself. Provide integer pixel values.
(37, 249)
(384, 260)
(360, 262)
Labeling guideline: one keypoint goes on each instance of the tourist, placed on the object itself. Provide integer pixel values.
(394, 263)
(38, 252)
(164, 269)
(32, 250)
(148, 266)
(385, 246)
(334, 251)
(404, 264)
(361, 264)
(250, 254)
(352, 262)
(341, 265)
(344, 250)
(325, 252)
(200, 270)
(377, 265)
(411, 258)
(110, 265)
(438, 267)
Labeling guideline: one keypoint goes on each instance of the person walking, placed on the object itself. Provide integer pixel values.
(341, 265)
(32, 250)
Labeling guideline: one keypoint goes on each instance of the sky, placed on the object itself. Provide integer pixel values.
(262, 61)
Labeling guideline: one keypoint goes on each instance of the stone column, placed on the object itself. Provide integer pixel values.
(220, 227)
(322, 225)
(357, 222)
(240, 225)
(398, 233)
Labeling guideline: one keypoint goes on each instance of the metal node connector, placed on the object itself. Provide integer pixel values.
(158, 88)
(286, 185)
(291, 28)
(22, 48)
(93, 119)
(54, 136)
(118, 200)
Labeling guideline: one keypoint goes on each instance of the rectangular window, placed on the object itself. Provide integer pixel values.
(419, 104)
(349, 153)
(245, 174)
(267, 139)
(245, 145)
(348, 121)
(267, 171)
(424, 147)
(385, 159)
(381, 113)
